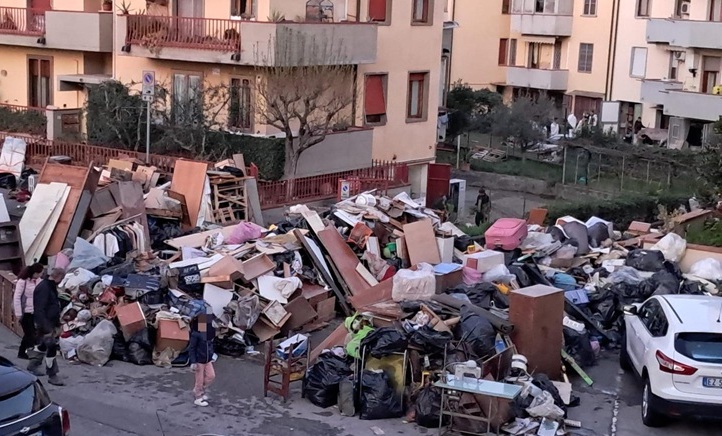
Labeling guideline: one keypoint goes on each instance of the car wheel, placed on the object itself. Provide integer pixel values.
(650, 417)
(624, 361)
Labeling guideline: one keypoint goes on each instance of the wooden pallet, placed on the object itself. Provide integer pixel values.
(229, 198)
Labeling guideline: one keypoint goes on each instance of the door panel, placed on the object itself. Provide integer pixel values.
(437, 184)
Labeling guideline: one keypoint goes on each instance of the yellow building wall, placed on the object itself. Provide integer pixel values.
(590, 30)
(14, 83)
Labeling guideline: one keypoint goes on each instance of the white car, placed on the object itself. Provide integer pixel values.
(674, 342)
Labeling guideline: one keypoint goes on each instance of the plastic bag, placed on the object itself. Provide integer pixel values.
(477, 332)
(414, 285)
(245, 231)
(245, 311)
(321, 383)
(384, 341)
(120, 348)
(543, 407)
(665, 283)
(69, 346)
(625, 274)
(708, 269)
(430, 340)
(347, 397)
(428, 408)
(228, 346)
(598, 233)
(672, 247)
(500, 274)
(645, 260)
(536, 240)
(378, 398)
(140, 348)
(87, 255)
(580, 233)
(98, 344)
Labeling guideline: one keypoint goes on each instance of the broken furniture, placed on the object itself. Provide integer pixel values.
(284, 365)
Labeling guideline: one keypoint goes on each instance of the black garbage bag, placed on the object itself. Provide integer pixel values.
(428, 408)
(378, 398)
(228, 346)
(579, 233)
(690, 287)
(598, 233)
(665, 283)
(384, 341)
(120, 348)
(430, 340)
(478, 333)
(521, 276)
(320, 384)
(461, 243)
(557, 234)
(645, 260)
(8, 181)
(413, 306)
(483, 294)
(543, 382)
(578, 346)
(140, 348)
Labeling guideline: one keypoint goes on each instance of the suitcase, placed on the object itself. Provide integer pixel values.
(506, 233)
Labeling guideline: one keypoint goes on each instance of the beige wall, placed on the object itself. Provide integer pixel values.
(590, 30)
(475, 55)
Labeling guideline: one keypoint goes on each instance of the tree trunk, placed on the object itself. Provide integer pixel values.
(289, 167)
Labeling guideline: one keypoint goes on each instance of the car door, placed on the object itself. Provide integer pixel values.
(638, 332)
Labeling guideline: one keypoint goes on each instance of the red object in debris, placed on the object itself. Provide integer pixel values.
(506, 233)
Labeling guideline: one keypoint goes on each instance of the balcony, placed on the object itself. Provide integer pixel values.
(685, 33)
(247, 42)
(694, 105)
(550, 80)
(550, 18)
(62, 30)
(655, 92)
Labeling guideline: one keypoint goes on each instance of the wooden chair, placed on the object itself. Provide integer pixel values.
(279, 373)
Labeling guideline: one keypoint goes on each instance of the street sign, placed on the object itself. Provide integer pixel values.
(148, 84)
(148, 98)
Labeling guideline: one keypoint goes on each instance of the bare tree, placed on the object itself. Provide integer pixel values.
(304, 89)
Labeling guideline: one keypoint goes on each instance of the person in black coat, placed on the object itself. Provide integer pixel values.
(200, 354)
(47, 320)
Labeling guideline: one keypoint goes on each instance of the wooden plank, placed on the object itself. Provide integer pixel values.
(421, 242)
(81, 213)
(372, 295)
(198, 239)
(189, 178)
(326, 309)
(370, 279)
(301, 313)
(254, 203)
(334, 339)
(344, 258)
(39, 210)
(257, 266)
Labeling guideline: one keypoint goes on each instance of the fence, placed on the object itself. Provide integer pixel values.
(23, 119)
(22, 21)
(183, 32)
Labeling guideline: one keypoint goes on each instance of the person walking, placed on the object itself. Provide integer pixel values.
(201, 356)
(483, 207)
(46, 314)
(28, 278)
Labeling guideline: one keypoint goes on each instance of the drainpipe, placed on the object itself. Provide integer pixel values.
(355, 96)
(115, 29)
(358, 11)
(613, 34)
(451, 51)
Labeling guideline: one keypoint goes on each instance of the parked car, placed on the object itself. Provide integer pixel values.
(26, 408)
(674, 343)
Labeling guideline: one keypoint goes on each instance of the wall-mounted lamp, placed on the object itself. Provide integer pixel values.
(41, 40)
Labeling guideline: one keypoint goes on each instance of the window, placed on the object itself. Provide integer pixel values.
(187, 104)
(378, 11)
(240, 113)
(715, 11)
(702, 347)
(638, 65)
(673, 65)
(586, 54)
(375, 99)
(505, 6)
(21, 403)
(710, 73)
(420, 14)
(512, 52)
(653, 318)
(539, 6)
(503, 51)
(242, 8)
(416, 105)
(643, 8)
(590, 7)
(40, 82)
(319, 11)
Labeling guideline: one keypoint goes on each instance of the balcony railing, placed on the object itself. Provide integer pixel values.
(182, 32)
(22, 21)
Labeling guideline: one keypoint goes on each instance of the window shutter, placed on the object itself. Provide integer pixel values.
(374, 101)
(377, 10)
(639, 61)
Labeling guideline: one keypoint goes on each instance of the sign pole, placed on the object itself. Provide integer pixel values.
(147, 132)
(148, 94)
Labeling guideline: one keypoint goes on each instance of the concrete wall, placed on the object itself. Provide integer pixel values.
(62, 31)
(340, 151)
(538, 24)
(537, 79)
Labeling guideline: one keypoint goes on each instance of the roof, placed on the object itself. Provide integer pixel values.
(699, 313)
(12, 378)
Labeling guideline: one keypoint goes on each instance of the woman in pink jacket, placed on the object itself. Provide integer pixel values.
(23, 305)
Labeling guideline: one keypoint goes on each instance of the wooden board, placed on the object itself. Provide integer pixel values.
(344, 258)
(334, 339)
(35, 237)
(421, 243)
(189, 178)
(301, 313)
(198, 239)
(257, 266)
(254, 203)
(78, 179)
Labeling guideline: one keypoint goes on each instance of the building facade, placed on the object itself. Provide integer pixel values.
(52, 50)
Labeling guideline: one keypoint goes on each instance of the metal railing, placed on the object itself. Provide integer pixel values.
(184, 32)
(22, 21)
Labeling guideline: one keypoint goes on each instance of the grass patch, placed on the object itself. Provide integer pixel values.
(476, 230)
(709, 234)
(525, 168)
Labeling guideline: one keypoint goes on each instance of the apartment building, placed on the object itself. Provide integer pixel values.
(668, 68)
(559, 47)
(51, 50)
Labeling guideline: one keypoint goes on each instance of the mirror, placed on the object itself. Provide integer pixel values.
(630, 309)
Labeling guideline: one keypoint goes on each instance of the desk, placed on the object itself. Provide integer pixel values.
(487, 388)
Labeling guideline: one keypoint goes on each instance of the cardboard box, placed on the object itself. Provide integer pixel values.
(449, 280)
(131, 319)
(171, 335)
(483, 261)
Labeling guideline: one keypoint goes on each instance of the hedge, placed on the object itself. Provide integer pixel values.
(621, 210)
(20, 121)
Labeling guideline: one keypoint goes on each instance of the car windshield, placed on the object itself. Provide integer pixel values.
(22, 403)
(702, 347)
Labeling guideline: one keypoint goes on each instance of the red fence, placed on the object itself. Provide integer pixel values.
(381, 175)
(22, 21)
(184, 32)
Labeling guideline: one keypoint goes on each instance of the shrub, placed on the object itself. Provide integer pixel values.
(22, 121)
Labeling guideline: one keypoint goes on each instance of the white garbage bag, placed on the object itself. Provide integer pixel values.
(414, 285)
(708, 269)
(98, 344)
(672, 247)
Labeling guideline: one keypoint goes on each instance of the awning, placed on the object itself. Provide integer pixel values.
(450, 25)
(589, 94)
(550, 40)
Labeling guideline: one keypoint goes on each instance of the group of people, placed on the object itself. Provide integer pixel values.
(37, 306)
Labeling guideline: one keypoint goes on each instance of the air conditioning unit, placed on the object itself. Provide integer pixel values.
(684, 8)
(680, 55)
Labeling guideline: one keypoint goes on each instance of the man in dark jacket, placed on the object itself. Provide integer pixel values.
(47, 321)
